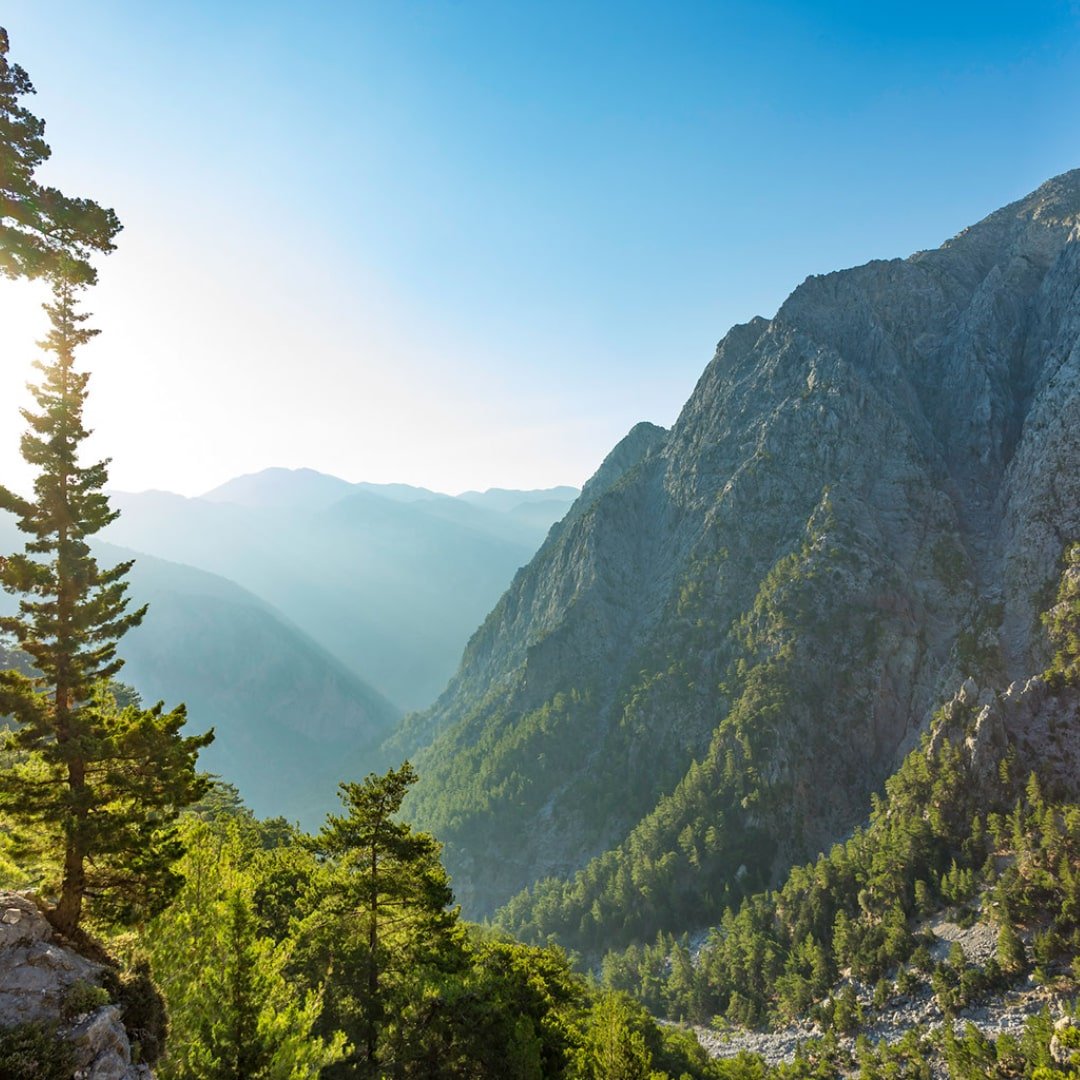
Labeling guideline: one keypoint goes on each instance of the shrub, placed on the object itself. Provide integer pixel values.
(82, 997)
(142, 1010)
(35, 1052)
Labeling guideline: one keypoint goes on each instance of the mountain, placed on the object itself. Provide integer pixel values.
(743, 624)
(509, 500)
(389, 579)
(307, 489)
(283, 489)
(291, 722)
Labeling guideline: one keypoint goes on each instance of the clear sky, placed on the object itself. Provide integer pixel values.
(465, 244)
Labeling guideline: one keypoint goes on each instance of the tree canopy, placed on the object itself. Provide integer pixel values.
(98, 784)
(43, 232)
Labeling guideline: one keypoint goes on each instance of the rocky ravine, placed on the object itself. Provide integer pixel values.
(44, 981)
(1004, 1014)
(862, 503)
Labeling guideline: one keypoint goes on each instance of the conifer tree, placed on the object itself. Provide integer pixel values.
(41, 229)
(1010, 949)
(101, 783)
(615, 1047)
(255, 1025)
(235, 1011)
(389, 900)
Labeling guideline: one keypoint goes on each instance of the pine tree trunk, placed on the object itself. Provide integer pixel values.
(73, 887)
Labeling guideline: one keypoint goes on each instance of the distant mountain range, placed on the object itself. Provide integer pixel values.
(280, 601)
(389, 579)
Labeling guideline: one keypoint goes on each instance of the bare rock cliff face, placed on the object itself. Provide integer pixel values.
(43, 982)
(863, 503)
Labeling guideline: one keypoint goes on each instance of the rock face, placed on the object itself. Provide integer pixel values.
(42, 981)
(745, 622)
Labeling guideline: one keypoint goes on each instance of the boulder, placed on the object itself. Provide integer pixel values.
(43, 980)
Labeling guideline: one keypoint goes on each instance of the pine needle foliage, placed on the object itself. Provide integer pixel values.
(96, 784)
(42, 231)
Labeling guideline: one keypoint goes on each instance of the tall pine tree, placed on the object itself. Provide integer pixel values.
(100, 785)
(385, 915)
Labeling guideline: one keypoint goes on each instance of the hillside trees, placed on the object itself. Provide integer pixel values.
(220, 950)
(263, 962)
(944, 835)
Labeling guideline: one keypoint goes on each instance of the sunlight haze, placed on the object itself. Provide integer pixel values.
(466, 245)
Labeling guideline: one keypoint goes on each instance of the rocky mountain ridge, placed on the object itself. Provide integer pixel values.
(745, 622)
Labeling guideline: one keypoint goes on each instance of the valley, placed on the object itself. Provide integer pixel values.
(756, 757)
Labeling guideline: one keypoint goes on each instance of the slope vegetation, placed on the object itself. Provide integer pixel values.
(744, 624)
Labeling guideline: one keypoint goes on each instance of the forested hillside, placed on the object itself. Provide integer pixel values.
(746, 623)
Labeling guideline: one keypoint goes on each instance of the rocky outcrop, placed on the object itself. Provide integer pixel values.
(919, 1011)
(1039, 718)
(1063, 1041)
(1043, 721)
(862, 504)
(974, 719)
(43, 981)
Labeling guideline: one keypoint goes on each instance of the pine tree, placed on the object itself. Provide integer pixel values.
(1010, 949)
(41, 229)
(234, 1011)
(391, 898)
(615, 1047)
(253, 1025)
(102, 783)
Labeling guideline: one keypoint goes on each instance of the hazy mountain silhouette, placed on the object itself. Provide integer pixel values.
(390, 579)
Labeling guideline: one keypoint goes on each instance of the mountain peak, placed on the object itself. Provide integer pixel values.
(713, 667)
(1058, 198)
(282, 488)
(640, 441)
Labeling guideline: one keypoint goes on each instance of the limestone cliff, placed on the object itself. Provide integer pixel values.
(744, 622)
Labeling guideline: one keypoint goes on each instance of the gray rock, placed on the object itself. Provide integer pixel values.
(1007, 1014)
(1060, 1051)
(36, 975)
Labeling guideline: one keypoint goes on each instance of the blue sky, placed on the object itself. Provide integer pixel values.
(470, 244)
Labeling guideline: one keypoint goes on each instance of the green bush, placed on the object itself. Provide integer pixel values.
(82, 997)
(35, 1052)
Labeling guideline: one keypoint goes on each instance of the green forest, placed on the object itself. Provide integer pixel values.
(244, 949)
